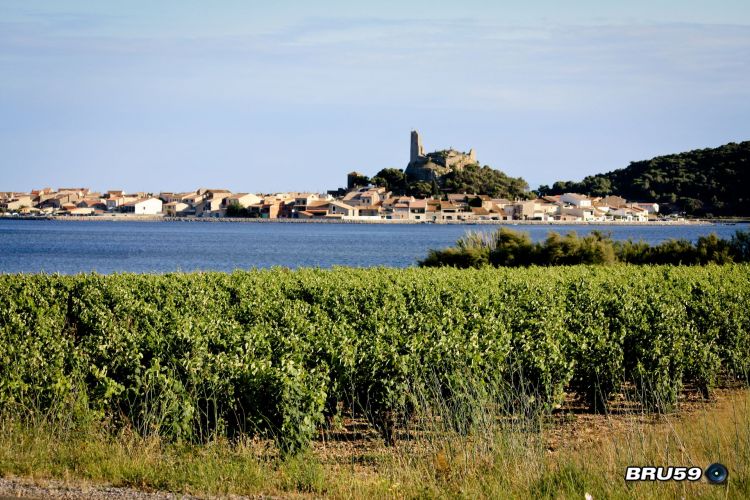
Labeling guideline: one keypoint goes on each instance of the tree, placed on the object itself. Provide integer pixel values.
(485, 180)
(236, 210)
(420, 189)
(356, 179)
(696, 182)
(393, 179)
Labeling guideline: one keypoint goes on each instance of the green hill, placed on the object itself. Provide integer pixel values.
(714, 181)
(470, 178)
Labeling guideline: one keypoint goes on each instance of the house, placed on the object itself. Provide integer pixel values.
(39, 192)
(614, 201)
(371, 212)
(94, 204)
(575, 199)
(342, 210)
(302, 200)
(397, 207)
(167, 197)
(113, 203)
(51, 204)
(630, 214)
(143, 206)
(213, 205)
(529, 210)
(242, 199)
(418, 210)
(460, 200)
(271, 209)
(177, 209)
(192, 199)
(651, 208)
(318, 208)
(365, 197)
(480, 213)
(19, 202)
(449, 211)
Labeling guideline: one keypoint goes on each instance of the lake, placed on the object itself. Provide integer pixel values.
(106, 247)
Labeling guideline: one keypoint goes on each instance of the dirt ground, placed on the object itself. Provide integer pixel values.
(354, 444)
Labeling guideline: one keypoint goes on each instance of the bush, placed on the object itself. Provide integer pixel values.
(506, 248)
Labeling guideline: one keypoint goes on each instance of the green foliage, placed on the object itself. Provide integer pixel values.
(511, 248)
(357, 180)
(236, 210)
(468, 179)
(699, 182)
(192, 357)
(393, 179)
(485, 180)
(507, 248)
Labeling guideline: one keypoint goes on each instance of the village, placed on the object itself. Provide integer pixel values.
(355, 203)
(368, 203)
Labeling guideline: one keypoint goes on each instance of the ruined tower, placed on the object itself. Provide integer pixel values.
(417, 150)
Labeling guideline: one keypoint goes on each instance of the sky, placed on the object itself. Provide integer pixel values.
(255, 96)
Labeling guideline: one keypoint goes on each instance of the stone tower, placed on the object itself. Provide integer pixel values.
(417, 150)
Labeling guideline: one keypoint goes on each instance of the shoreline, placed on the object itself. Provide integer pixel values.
(158, 218)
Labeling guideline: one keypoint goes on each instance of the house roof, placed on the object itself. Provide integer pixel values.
(341, 204)
(317, 204)
(479, 211)
(576, 196)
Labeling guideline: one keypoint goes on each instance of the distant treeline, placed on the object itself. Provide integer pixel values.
(703, 182)
(507, 248)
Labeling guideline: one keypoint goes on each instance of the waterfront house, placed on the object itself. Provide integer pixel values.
(143, 206)
(575, 199)
(650, 208)
(631, 214)
(614, 201)
(365, 197)
(342, 210)
(94, 204)
(213, 205)
(242, 199)
(177, 209)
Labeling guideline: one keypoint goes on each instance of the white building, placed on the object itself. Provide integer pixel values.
(149, 206)
(575, 199)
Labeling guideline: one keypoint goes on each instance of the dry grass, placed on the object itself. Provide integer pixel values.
(564, 455)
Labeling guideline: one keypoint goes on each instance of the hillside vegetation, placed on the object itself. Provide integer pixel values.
(468, 179)
(276, 353)
(701, 182)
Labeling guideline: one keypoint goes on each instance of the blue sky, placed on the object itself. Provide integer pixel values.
(270, 96)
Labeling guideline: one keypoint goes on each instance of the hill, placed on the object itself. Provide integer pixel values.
(712, 181)
(444, 171)
(468, 179)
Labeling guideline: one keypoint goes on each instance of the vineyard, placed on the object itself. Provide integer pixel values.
(276, 352)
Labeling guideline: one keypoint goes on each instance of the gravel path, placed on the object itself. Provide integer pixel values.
(24, 488)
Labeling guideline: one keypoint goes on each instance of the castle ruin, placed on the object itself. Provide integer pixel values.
(432, 166)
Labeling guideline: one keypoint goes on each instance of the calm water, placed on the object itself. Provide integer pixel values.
(106, 247)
